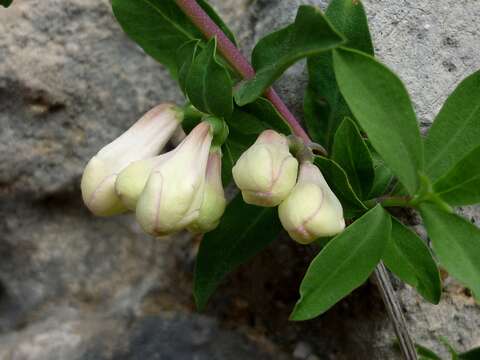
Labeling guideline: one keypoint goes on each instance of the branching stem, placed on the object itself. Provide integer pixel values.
(236, 59)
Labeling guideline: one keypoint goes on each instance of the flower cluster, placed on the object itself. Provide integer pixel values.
(267, 176)
(169, 192)
(182, 188)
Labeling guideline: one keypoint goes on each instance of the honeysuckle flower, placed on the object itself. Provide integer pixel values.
(142, 140)
(266, 172)
(132, 180)
(173, 194)
(311, 210)
(214, 202)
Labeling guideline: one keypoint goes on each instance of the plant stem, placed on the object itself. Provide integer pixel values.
(395, 312)
(236, 59)
(230, 52)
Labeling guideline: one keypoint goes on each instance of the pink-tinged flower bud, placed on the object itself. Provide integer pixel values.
(214, 202)
(173, 195)
(143, 140)
(266, 172)
(311, 210)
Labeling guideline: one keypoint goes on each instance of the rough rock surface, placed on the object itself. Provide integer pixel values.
(77, 287)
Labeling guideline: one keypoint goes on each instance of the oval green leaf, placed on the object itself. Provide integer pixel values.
(456, 242)
(456, 129)
(351, 152)
(461, 185)
(310, 34)
(408, 257)
(324, 106)
(344, 264)
(380, 103)
(208, 85)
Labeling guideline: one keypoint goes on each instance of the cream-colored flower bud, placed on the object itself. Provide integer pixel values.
(173, 194)
(266, 172)
(311, 210)
(214, 202)
(143, 140)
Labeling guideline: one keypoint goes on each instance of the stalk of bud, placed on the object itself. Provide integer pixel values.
(143, 140)
(214, 202)
(311, 210)
(173, 194)
(266, 172)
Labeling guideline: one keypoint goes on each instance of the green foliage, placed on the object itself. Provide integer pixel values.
(310, 34)
(243, 232)
(338, 180)
(456, 130)
(324, 106)
(343, 264)
(456, 243)
(208, 85)
(6, 3)
(473, 354)
(380, 103)
(425, 353)
(160, 27)
(185, 58)
(351, 152)
(408, 257)
(461, 185)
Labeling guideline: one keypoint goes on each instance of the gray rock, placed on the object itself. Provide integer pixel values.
(77, 287)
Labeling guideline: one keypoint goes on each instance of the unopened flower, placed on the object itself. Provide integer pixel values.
(266, 172)
(173, 195)
(214, 202)
(311, 210)
(143, 140)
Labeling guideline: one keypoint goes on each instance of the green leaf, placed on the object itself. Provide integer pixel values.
(351, 153)
(185, 57)
(473, 354)
(456, 242)
(265, 112)
(456, 129)
(380, 103)
(324, 106)
(426, 353)
(310, 34)
(160, 27)
(461, 185)
(209, 86)
(408, 257)
(244, 231)
(344, 264)
(337, 178)
(6, 3)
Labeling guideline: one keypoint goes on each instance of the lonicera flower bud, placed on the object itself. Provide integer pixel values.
(266, 172)
(143, 140)
(214, 202)
(311, 210)
(173, 195)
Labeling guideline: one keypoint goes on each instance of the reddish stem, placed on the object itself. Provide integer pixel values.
(230, 52)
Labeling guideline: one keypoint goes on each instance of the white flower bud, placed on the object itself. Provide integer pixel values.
(311, 210)
(214, 202)
(143, 140)
(266, 172)
(173, 195)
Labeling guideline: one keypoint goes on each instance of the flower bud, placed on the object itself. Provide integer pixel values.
(173, 194)
(214, 202)
(311, 210)
(143, 140)
(266, 172)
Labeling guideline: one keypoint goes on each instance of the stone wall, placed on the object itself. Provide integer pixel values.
(77, 287)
